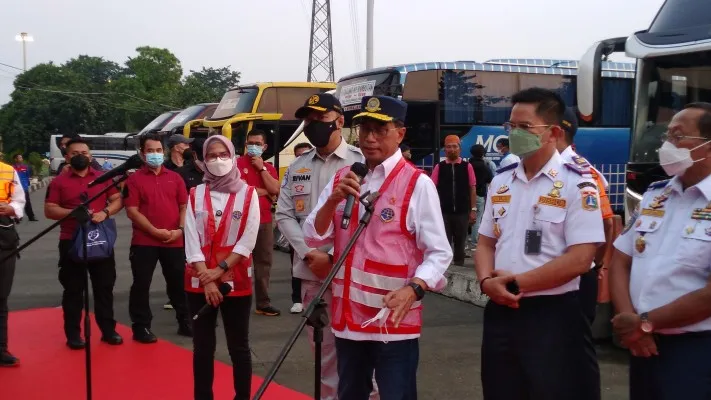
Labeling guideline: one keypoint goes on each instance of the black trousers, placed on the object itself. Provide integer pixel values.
(681, 370)
(456, 227)
(541, 351)
(7, 274)
(28, 206)
(143, 264)
(235, 317)
(295, 282)
(588, 294)
(103, 278)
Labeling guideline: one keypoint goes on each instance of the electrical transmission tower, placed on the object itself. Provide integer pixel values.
(321, 49)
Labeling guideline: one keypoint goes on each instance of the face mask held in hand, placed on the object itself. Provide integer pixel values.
(676, 160)
(523, 143)
(319, 133)
(219, 167)
(154, 160)
(79, 162)
(254, 150)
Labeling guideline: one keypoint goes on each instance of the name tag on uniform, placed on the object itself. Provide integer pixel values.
(194, 282)
(652, 212)
(552, 201)
(505, 199)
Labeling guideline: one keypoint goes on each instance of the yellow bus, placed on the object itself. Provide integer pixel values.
(269, 106)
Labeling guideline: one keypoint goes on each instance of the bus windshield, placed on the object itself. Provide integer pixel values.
(159, 121)
(672, 83)
(184, 116)
(235, 101)
(351, 91)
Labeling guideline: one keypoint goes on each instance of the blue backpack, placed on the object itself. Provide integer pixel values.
(100, 240)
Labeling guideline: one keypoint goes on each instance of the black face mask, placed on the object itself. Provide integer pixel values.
(79, 162)
(319, 133)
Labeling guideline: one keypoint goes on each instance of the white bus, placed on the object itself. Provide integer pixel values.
(673, 69)
(116, 147)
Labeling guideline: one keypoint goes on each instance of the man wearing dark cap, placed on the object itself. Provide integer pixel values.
(304, 180)
(588, 282)
(404, 251)
(177, 144)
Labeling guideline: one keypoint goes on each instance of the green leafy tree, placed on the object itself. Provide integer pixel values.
(207, 85)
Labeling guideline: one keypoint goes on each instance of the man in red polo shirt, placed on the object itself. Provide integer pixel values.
(66, 192)
(263, 176)
(155, 203)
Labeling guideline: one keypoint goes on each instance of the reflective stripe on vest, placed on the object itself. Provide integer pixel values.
(383, 259)
(218, 242)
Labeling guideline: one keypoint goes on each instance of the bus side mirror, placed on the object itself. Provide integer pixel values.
(589, 82)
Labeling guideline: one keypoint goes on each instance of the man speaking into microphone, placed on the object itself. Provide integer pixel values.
(404, 252)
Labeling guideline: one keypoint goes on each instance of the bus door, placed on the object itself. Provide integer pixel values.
(423, 133)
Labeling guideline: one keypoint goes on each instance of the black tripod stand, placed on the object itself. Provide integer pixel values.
(316, 314)
(82, 216)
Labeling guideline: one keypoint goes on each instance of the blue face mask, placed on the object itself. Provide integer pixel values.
(254, 150)
(154, 159)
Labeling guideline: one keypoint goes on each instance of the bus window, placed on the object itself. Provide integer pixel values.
(268, 101)
(290, 99)
(476, 97)
(422, 86)
(240, 100)
(616, 109)
(563, 85)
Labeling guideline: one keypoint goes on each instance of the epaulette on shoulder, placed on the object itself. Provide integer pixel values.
(659, 184)
(581, 161)
(578, 169)
(507, 168)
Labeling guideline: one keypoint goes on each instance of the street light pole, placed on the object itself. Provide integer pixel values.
(369, 35)
(24, 37)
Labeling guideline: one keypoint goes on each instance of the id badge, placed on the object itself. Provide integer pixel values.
(533, 240)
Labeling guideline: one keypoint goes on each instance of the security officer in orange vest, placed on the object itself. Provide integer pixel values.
(12, 204)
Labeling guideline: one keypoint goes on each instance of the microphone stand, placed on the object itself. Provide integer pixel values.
(316, 315)
(81, 214)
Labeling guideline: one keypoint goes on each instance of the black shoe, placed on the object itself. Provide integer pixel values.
(8, 360)
(144, 336)
(185, 329)
(113, 339)
(269, 311)
(34, 219)
(76, 343)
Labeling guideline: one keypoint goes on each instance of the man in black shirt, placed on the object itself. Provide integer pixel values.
(191, 171)
(177, 144)
(484, 175)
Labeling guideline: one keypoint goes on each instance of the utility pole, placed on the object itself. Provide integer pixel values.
(369, 35)
(321, 47)
(24, 37)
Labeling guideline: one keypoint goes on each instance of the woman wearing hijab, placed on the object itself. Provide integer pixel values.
(221, 224)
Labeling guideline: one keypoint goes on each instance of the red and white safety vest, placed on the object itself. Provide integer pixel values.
(384, 258)
(218, 243)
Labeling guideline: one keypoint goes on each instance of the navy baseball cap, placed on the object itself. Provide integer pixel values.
(319, 102)
(569, 123)
(382, 108)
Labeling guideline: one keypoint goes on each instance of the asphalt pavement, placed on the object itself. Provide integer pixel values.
(450, 346)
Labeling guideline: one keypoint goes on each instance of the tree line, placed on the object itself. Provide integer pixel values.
(92, 95)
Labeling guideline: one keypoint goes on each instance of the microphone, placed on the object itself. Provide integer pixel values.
(360, 170)
(224, 289)
(133, 162)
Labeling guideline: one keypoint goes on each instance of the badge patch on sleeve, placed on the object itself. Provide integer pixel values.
(583, 185)
(299, 205)
(590, 202)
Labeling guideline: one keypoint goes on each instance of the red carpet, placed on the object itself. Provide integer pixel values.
(134, 371)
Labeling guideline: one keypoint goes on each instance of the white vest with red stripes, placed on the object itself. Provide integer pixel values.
(218, 242)
(384, 258)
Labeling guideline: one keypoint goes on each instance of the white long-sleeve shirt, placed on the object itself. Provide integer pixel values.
(245, 244)
(17, 200)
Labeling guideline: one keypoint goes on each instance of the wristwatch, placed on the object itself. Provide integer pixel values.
(106, 210)
(223, 264)
(646, 325)
(419, 291)
(263, 168)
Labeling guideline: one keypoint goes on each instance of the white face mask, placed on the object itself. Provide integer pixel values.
(219, 167)
(675, 160)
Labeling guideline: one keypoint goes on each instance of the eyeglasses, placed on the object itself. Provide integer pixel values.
(509, 126)
(379, 132)
(224, 156)
(675, 137)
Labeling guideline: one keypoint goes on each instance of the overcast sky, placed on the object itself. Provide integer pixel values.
(268, 40)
